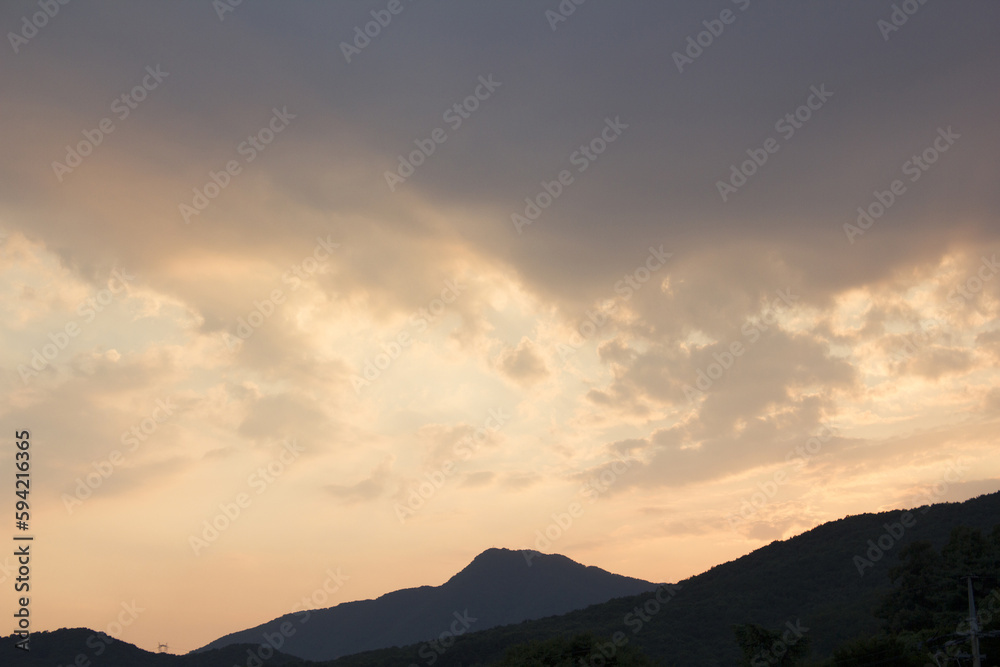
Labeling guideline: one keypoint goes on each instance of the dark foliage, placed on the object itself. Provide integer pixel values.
(906, 606)
(762, 647)
(926, 612)
(582, 650)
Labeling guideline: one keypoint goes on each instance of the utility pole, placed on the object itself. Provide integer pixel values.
(973, 627)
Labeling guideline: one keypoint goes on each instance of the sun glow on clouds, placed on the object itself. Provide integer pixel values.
(381, 331)
(508, 352)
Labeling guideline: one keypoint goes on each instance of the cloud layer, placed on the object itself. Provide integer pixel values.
(480, 263)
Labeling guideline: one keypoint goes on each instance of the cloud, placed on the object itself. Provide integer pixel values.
(441, 441)
(521, 480)
(937, 360)
(768, 532)
(523, 364)
(991, 403)
(477, 479)
(279, 416)
(365, 490)
(258, 335)
(681, 527)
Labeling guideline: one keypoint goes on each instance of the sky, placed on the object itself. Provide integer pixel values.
(306, 302)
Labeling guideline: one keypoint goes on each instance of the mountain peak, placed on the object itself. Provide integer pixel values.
(500, 555)
(499, 587)
(503, 566)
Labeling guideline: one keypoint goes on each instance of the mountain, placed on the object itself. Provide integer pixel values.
(87, 648)
(828, 580)
(825, 582)
(498, 587)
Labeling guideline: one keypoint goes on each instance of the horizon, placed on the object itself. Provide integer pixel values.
(299, 289)
(338, 578)
(470, 560)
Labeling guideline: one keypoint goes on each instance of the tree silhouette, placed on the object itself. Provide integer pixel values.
(765, 648)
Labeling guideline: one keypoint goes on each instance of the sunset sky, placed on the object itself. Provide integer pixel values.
(495, 276)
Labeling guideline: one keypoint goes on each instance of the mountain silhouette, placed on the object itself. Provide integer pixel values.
(828, 579)
(499, 587)
(89, 648)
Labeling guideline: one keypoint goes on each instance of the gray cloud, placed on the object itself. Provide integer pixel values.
(522, 363)
(651, 382)
(366, 489)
